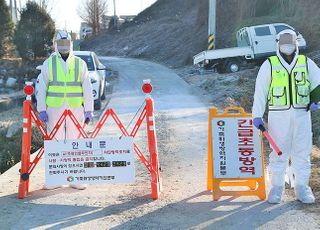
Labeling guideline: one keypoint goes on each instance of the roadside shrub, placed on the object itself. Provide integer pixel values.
(10, 152)
(34, 33)
(6, 28)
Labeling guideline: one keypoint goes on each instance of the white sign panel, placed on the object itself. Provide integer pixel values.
(89, 161)
(236, 148)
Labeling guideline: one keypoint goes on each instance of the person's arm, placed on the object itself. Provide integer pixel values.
(263, 82)
(314, 78)
(87, 88)
(42, 86)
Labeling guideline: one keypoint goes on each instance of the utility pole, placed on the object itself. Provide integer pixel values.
(11, 10)
(212, 24)
(114, 14)
(15, 11)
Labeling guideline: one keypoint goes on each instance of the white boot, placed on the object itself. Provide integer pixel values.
(51, 187)
(79, 186)
(304, 194)
(275, 194)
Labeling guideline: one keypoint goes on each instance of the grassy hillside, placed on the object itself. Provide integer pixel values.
(171, 32)
(301, 14)
(167, 32)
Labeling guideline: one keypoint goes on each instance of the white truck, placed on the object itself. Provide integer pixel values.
(253, 43)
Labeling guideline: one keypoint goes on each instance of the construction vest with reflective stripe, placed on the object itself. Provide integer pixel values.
(64, 87)
(286, 89)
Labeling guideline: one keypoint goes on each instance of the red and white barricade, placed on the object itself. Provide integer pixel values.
(29, 115)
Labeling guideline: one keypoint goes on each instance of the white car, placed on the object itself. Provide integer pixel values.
(97, 74)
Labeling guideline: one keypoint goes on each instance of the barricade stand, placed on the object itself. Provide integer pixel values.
(147, 113)
(255, 184)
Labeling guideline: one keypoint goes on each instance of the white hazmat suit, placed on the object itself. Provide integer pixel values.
(68, 129)
(291, 129)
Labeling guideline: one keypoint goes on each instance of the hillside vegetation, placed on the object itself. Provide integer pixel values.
(171, 32)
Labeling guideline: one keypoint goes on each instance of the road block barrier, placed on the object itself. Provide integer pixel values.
(147, 114)
(235, 155)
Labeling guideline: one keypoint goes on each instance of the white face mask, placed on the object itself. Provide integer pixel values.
(63, 50)
(287, 49)
(64, 46)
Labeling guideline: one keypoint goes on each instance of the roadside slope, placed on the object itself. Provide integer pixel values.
(166, 32)
(171, 32)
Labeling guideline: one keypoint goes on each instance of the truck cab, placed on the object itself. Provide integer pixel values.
(262, 38)
(253, 43)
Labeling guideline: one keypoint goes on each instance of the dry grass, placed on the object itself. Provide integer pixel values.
(315, 175)
(315, 181)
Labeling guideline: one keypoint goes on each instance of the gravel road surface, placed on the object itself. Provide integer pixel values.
(181, 125)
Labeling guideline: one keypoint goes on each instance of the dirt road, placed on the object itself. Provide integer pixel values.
(181, 124)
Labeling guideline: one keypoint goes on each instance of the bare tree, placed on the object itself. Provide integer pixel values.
(91, 12)
(44, 4)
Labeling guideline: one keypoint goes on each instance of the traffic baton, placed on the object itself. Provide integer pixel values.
(271, 141)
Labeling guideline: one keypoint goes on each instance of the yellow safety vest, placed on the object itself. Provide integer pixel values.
(289, 89)
(64, 87)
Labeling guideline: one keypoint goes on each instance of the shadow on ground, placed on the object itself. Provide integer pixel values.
(30, 213)
(189, 213)
(226, 214)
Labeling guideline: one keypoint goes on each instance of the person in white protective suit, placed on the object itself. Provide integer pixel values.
(64, 84)
(285, 82)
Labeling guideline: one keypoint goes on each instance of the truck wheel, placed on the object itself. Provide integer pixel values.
(232, 66)
(207, 66)
(220, 68)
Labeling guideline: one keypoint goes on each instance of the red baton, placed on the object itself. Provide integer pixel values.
(271, 141)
